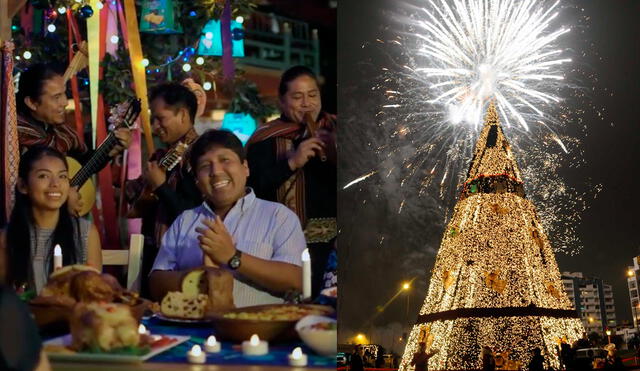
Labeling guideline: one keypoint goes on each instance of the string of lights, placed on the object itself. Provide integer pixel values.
(495, 281)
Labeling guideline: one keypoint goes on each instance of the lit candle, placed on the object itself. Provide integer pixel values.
(196, 355)
(57, 257)
(212, 345)
(255, 346)
(297, 358)
(306, 274)
(143, 330)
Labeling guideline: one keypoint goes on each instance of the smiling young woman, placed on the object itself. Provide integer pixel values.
(40, 220)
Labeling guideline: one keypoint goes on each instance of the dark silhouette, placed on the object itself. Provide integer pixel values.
(421, 358)
(488, 362)
(537, 362)
(356, 361)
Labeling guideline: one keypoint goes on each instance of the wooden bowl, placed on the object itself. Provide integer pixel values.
(238, 330)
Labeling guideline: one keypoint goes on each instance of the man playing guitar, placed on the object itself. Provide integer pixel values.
(169, 185)
(41, 101)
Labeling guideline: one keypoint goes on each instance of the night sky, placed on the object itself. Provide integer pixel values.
(605, 43)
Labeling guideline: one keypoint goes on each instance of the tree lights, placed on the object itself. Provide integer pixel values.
(495, 281)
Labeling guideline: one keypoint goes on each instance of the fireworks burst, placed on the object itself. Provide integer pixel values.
(448, 59)
(477, 50)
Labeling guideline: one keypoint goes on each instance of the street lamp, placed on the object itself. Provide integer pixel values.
(406, 286)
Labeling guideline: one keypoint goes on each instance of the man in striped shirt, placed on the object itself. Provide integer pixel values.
(259, 242)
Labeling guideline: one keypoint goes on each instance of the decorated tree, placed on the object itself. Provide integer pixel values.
(495, 281)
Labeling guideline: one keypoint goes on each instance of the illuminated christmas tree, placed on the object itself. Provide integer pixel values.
(495, 281)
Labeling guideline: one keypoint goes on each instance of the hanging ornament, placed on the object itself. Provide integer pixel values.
(51, 14)
(85, 11)
(211, 40)
(551, 289)
(453, 232)
(493, 281)
(159, 17)
(473, 188)
(447, 279)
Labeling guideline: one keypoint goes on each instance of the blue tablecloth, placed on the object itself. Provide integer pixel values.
(277, 356)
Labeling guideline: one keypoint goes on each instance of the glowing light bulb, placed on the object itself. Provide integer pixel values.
(240, 19)
(209, 35)
(100, 5)
(144, 62)
(62, 10)
(186, 67)
(255, 340)
(142, 330)
(207, 86)
(196, 350)
(199, 60)
(114, 39)
(297, 353)
(26, 54)
(51, 28)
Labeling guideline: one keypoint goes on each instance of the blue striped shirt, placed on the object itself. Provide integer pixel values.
(264, 229)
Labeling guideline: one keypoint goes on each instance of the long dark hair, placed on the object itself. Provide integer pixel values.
(21, 221)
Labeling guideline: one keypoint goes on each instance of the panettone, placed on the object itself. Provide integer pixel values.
(180, 305)
(204, 292)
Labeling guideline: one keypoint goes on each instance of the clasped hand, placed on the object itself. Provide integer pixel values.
(215, 241)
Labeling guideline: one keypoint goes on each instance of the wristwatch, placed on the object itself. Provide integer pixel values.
(234, 262)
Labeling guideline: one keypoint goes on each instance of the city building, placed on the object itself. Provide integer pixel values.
(632, 282)
(593, 299)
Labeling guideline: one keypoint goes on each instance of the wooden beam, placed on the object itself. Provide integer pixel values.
(5, 21)
(8, 9)
(15, 6)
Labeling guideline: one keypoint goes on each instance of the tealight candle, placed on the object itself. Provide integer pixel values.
(57, 257)
(212, 345)
(143, 330)
(297, 358)
(255, 346)
(196, 355)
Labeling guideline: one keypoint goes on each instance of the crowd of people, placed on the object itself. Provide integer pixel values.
(251, 211)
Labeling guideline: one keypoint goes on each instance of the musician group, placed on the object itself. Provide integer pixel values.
(248, 210)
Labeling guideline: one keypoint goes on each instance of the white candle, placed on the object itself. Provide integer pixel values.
(306, 274)
(57, 257)
(196, 355)
(212, 345)
(297, 358)
(255, 346)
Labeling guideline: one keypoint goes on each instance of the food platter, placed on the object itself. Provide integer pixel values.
(269, 322)
(57, 350)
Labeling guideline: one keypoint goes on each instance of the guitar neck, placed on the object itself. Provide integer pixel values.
(97, 161)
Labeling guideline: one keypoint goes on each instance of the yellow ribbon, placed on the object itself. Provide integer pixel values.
(139, 77)
(93, 39)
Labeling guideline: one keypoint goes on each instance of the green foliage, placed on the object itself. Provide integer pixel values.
(117, 82)
(247, 100)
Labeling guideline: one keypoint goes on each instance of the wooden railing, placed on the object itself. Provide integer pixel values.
(277, 42)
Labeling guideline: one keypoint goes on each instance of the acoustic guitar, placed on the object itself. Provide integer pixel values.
(144, 200)
(121, 115)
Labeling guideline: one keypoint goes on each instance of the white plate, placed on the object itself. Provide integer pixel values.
(182, 320)
(105, 357)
